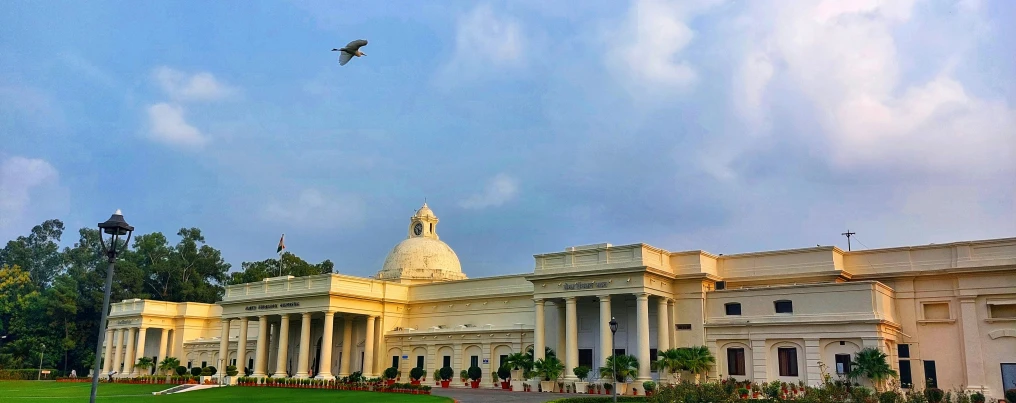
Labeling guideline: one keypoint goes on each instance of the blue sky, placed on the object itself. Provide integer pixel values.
(528, 126)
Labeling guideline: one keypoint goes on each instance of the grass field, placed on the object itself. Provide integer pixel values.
(45, 391)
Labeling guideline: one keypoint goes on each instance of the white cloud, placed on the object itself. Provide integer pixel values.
(843, 58)
(645, 50)
(201, 86)
(315, 209)
(167, 125)
(20, 179)
(500, 190)
(485, 40)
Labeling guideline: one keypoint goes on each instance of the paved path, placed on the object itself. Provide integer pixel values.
(496, 395)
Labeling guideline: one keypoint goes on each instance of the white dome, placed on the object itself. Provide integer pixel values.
(422, 257)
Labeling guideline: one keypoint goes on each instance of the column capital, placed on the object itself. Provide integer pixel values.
(224, 320)
(569, 299)
(329, 313)
(306, 314)
(604, 297)
(284, 315)
(262, 316)
(538, 300)
(642, 295)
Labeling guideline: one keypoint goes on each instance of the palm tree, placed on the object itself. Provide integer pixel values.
(169, 364)
(699, 360)
(673, 361)
(519, 361)
(144, 363)
(627, 368)
(549, 368)
(872, 364)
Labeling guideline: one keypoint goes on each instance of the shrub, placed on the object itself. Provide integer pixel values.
(463, 375)
(181, 370)
(231, 370)
(437, 374)
(581, 372)
(890, 397)
(391, 373)
(505, 373)
(1010, 395)
(649, 385)
(195, 371)
(447, 373)
(934, 395)
(211, 370)
(977, 397)
(474, 373)
(416, 373)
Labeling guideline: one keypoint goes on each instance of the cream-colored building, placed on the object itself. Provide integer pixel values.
(944, 313)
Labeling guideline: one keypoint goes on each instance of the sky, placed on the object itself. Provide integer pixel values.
(527, 126)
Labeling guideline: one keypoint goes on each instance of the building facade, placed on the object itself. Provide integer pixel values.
(945, 314)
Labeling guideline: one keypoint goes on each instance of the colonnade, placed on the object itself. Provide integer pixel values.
(281, 335)
(568, 331)
(118, 354)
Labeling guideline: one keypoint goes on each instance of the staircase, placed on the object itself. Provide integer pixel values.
(184, 388)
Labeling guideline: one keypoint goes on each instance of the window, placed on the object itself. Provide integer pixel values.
(447, 362)
(683, 326)
(653, 354)
(618, 351)
(930, 375)
(361, 362)
(936, 311)
(190, 364)
(906, 375)
(474, 361)
(788, 361)
(1002, 311)
(784, 306)
(395, 361)
(204, 364)
(586, 357)
(733, 308)
(735, 361)
(842, 364)
(250, 363)
(419, 362)
(231, 362)
(504, 357)
(903, 350)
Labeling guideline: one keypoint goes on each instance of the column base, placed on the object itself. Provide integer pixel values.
(257, 375)
(328, 377)
(302, 376)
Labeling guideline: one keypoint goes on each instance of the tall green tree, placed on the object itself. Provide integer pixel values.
(61, 307)
(292, 265)
(872, 364)
(38, 253)
(187, 271)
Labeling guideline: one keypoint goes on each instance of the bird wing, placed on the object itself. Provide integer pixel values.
(344, 57)
(354, 45)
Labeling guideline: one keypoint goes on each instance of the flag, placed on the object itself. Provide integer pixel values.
(282, 244)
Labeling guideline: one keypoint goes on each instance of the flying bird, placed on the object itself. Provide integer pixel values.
(352, 49)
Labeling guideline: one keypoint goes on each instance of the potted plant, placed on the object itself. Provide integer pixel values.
(390, 375)
(415, 374)
(437, 376)
(607, 387)
(582, 373)
(446, 376)
(743, 392)
(505, 374)
(627, 367)
(649, 387)
(464, 377)
(549, 369)
(474, 373)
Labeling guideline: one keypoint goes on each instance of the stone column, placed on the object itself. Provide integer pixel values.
(662, 327)
(973, 361)
(273, 347)
(261, 349)
(283, 355)
(672, 329)
(368, 348)
(642, 329)
(224, 346)
(128, 359)
(302, 370)
(118, 360)
(539, 342)
(162, 346)
(241, 346)
(347, 345)
(142, 332)
(560, 348)
(606, 337)
(325, 372)
(107, 360)
(812, 357)
(379, 348)
(571, 339)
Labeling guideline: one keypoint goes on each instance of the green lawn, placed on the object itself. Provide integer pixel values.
(47, 391)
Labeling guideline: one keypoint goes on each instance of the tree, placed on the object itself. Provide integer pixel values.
(872, 364)
(16, 290)
(549, 368)
(61, 305)
(38, 253)
(169, 364)
(620, 367)
(698, 360)
(673, 361)
(144, 363)
(292, 265)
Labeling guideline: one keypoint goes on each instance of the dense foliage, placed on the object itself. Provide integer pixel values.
(51, 297)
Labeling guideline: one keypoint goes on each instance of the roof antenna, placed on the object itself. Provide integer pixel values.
(848, 234)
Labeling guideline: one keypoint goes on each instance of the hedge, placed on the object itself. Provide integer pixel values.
(604, 399)
(28, 374)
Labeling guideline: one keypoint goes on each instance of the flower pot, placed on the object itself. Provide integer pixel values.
(505, 385)
(444, 384)
(389, 382)
(414, 382)
(622, 388)
(475, 384)
(580, 387)
(547, 386)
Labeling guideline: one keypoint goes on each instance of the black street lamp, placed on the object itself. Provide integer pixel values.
(116, 227)
(613, 361)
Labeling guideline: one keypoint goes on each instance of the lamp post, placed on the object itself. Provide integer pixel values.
(613, 361)
(116, 227)
(41, 354)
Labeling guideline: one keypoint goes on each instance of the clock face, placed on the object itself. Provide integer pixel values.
(418, 228)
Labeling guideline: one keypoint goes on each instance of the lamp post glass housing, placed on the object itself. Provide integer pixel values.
(116, 228)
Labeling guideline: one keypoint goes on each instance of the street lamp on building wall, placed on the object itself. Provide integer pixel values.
(116, 227)
(613, 361)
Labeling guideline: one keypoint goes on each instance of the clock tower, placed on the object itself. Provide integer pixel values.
(423, 224)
